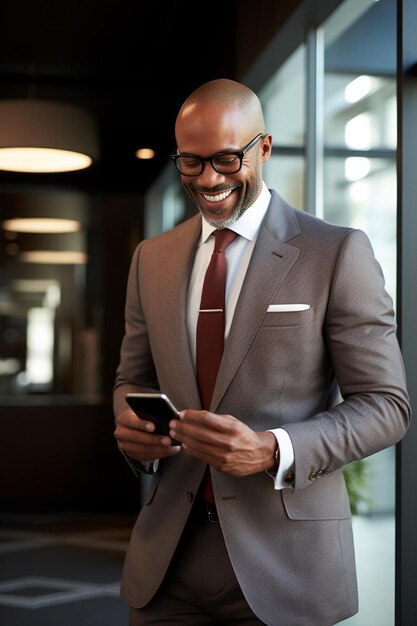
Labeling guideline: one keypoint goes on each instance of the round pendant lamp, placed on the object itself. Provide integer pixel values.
(41, 136)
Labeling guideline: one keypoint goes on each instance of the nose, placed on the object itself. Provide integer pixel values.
(209, 174)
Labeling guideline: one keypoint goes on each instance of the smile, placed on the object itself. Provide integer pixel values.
(218, 197)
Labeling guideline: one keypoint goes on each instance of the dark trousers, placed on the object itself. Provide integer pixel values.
(200, 588)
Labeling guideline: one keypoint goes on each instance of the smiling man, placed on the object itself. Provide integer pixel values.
(272, 332)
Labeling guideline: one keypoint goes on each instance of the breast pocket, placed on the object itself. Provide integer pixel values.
(288, 319)
(288, 346)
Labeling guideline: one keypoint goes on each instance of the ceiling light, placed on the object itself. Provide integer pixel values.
(39, 136)
(41, 225)
(42, 160)
(145, 153)
(59, 257)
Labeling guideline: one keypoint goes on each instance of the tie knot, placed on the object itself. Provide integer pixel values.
(222, 238)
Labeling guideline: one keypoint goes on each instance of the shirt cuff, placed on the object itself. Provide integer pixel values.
(151, 466)
(286, 458)
(139, 467)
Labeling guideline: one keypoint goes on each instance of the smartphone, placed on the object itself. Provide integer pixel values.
(155, 407)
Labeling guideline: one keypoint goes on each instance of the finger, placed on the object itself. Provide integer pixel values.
(129, 439)
(221, 424)
(208, 446)
(140, 437)
(206, 427)
(129, 419)
(203, 453)
(204, 418)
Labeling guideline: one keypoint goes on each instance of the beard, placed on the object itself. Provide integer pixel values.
(223, 222)
(246, 196)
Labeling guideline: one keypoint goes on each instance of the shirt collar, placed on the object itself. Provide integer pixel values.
(249, 223)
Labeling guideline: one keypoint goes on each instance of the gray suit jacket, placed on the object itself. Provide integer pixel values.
(292, 550)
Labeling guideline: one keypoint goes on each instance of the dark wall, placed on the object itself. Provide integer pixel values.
(57, 452)
(257, 23)
(114, 234)
(63, 458)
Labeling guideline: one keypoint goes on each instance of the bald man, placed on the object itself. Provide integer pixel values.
(311, 379)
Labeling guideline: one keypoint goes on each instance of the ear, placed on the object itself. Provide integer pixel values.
(266, 147)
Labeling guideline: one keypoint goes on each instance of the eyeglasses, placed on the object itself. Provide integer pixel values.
(222, 162)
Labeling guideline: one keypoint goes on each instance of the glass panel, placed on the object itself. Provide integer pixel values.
(360, 191)
(42, 284)
(283, 101)
(286, 175)
(360, 111)
(363, 195)
(165, 203)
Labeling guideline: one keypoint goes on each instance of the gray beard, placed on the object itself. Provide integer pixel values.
(225, 223)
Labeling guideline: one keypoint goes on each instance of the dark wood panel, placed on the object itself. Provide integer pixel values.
(63, 457)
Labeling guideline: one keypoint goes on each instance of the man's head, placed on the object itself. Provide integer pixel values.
(222, 116)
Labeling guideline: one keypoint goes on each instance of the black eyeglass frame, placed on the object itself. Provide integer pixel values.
(240, 154)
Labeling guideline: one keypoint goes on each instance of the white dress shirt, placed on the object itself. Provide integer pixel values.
(238, 255)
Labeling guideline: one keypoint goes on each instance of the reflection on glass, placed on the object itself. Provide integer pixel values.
(43, 258)
(360, 191)
(40, 347)
(367, 202)
(365, 123)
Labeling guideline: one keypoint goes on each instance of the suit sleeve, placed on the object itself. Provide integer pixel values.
(136, 370)
(360, 333)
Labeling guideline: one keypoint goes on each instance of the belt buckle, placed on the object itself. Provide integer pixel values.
(212, 515)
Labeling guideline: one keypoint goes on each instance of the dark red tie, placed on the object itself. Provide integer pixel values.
(211, 318)
(210, 325)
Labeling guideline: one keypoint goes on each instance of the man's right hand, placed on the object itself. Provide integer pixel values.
(136, 438)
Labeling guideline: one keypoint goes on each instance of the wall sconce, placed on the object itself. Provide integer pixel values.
(41, 136)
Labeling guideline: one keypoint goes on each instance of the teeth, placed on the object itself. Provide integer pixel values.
(218, 197)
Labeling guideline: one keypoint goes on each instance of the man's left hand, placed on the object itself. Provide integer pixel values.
(224, 442)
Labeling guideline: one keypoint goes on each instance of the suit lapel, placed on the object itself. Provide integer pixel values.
(271, 261)
(176, 258)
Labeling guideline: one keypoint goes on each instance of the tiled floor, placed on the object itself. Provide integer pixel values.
(62, 569)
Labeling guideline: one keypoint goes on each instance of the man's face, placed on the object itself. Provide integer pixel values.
(221, 197)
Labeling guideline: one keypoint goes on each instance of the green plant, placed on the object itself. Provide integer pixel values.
(358, 485)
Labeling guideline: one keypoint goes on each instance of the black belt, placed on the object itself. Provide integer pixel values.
(206, 511)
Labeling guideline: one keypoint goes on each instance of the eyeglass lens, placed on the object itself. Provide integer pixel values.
(224, 164)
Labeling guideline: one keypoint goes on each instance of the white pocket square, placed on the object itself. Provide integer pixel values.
(282, 308)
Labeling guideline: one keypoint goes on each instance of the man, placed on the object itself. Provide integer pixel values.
(306, 316)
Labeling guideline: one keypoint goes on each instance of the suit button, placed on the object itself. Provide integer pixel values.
(319, 474)
(313, 476)
(289, 477)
